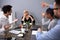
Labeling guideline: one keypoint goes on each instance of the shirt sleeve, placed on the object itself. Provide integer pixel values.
(45, 22)
(1, 28)
(52, 24)
(3, 22)
(53, 34)
(38, 35)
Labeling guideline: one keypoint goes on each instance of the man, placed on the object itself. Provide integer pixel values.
(4, 23)
(54, 33)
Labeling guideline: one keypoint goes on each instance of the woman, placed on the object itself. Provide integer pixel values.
(52, 20)
(27, 18)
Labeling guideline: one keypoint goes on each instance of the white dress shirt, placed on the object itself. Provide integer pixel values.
(3, 21)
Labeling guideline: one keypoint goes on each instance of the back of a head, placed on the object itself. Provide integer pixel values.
(50, 11)
(6, 8)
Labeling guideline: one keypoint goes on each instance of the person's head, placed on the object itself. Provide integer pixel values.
(26, 13)
(57, 8)
(7, 9)
(49, 13)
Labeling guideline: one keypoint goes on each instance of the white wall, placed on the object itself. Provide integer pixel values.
(34, 7)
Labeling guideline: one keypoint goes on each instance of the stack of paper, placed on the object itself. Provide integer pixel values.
(20, 35)
(14, 31)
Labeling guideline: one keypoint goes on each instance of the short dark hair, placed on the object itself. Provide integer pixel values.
(6, 8)
(57, 2)
(50, 11)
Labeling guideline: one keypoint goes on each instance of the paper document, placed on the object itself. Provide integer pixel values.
(14, 31)
(44, 31)
(20, 35)
(34, 32)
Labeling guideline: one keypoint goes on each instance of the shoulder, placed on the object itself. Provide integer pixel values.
(54, 21)
(2, 19)
(31, 16)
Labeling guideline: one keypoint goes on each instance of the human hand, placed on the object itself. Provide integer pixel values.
(15, 20)
(6, 27)
(24, 15)
(43, 15)
(39, 30)
(21, 26)
(29, 16)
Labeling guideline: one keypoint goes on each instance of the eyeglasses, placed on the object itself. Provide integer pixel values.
(56, 8)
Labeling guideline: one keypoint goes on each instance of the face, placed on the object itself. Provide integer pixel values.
(48, 16)
(9, 13)
(26, 14)
(57, 11)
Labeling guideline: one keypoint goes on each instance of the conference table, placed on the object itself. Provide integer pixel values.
(26, 36)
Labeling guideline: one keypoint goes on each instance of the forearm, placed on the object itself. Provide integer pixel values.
(48, 5)
(32, 19)
(23, 18)
(44, 22)
(12, 22)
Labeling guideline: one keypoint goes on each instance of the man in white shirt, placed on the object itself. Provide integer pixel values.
(4, 22)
